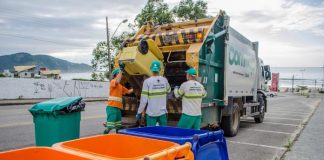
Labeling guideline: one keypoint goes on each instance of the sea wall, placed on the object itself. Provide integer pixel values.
(23, 88)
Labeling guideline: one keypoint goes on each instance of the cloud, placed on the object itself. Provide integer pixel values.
(63, 28)
(286, 29)
(291, 33)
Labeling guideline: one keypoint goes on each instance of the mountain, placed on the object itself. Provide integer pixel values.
(22, 58)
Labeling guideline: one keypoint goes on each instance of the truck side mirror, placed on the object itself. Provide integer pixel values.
(267, 68)
(267, 72)
(267, 75)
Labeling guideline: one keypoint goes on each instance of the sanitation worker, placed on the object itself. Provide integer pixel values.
(192, 93)
(115, 105)
(154, 94)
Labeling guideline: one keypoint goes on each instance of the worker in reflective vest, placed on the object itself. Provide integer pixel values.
(154, 94)
(115, 105)
(192, 93)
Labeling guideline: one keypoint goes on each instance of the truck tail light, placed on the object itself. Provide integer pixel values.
(196, 37)
(199, 35)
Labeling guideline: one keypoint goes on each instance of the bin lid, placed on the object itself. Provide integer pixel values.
(54, 105)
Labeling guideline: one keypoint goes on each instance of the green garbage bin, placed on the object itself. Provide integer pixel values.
(57, 120)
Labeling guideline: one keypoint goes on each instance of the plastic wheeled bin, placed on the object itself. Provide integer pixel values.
(209, 145)
(125, 147)
(38, 153)
(57, 120)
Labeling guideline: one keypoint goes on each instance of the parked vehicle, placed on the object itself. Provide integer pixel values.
(227, 62)
(271, 94)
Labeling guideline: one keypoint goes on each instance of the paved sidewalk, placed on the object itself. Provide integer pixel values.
(310, 144)
(6, 102)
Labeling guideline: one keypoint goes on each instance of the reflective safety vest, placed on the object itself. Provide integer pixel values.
(192, 93)
(116, 92)
(154, 94)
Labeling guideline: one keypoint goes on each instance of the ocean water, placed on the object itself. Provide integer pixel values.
(303, 76)
(69, 76)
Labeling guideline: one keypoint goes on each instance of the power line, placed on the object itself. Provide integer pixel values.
(17, 14)
(19, 19)
(41, 40)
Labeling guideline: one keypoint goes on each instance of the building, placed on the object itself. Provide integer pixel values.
(50, 74)
(25, 71)
(34, 71)
(7, 73)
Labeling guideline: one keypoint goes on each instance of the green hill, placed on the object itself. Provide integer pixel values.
(22, 58)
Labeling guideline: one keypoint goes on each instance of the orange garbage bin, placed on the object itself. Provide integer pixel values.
(126, 147)
(38, 153)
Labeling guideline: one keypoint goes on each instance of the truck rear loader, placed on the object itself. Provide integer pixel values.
(227, 63)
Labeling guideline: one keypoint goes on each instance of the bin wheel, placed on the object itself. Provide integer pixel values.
(259, 118)
(143, 46)
(230, 124)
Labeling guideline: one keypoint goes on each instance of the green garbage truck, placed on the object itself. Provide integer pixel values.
(228, 66)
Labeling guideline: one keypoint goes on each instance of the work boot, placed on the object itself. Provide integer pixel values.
(106, 131)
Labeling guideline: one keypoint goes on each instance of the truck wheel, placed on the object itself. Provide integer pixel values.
(260, 117)
(230, 124)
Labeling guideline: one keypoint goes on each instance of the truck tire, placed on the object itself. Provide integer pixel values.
(259, 118)
(230, 124)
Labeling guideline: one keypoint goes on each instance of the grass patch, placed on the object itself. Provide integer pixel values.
(288, 145)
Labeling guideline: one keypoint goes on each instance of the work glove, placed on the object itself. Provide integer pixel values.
(138, 116)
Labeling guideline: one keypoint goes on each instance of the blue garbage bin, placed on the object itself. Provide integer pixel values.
(209, 145)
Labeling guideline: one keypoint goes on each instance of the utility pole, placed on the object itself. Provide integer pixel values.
(108, 49)
(292, 83)
(323, 78)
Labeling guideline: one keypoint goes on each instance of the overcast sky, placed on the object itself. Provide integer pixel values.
(290, 32)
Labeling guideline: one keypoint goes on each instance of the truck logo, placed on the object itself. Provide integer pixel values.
(236, 58)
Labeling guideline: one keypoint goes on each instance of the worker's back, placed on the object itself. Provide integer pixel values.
(154, 93)
(192, 93)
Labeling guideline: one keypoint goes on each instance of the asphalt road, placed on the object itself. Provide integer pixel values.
(286, 116)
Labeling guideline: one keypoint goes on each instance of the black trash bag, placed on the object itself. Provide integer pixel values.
(76, 107)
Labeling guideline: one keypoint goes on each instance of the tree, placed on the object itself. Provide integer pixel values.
(156, 11)
(117, 40)
(99, 62)
(189, 10)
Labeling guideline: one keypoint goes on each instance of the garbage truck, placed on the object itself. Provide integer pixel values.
(228, 66)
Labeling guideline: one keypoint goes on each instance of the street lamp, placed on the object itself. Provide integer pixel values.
(108, 43)
(124, 21)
